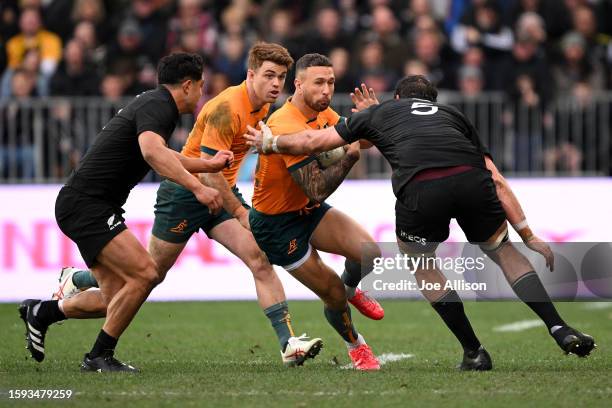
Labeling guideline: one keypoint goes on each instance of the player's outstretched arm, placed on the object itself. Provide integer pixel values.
(231, 204)
(516, 216)
(221, 160)
(319, 183)
(166, 164)
(305, 142)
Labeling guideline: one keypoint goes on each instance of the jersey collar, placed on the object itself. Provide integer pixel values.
(170, 98)
(291, 106)
(247, 101)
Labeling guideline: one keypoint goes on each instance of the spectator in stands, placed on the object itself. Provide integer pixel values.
(471, 81)
(33, 36)
(85, 33)
(349, 16)
(345, 80)
(373, 70)
(17, 158)
(31, 66)
(190, 19)
(585, 23)
(526, 74)
(234, 22)
(428, 49)
(531, 25)
(483, 26)
(385, 30)
(575, 67)
(112, 87)
(94, 12)
(416, 67)
(232, 59)
(128, 47)
(414, 12)
(152, 23)
(326, 34)
(75, 76)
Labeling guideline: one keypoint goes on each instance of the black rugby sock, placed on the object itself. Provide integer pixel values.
(450, 309)
(104, 342)
(530, 290)
(48, 312)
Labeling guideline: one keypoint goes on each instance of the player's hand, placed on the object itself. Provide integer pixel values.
(363, 98)
(259, 139)
(536, 244)
(353, 150)
(242, 215)
(210, 197)
(221, 160)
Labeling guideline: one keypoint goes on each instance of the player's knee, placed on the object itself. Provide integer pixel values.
(260, 267)
(147, 274)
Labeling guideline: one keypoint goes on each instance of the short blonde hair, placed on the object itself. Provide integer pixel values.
(262, 51)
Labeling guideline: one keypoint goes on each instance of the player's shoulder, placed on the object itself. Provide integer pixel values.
(158, 101)
(283, 115)
(230, 99)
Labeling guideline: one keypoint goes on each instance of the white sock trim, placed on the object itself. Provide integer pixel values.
(359, 342)
(554, 329)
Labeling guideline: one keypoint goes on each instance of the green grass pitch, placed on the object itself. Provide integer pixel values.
(225, 354)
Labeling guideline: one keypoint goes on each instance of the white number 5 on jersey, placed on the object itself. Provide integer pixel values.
(431, 109)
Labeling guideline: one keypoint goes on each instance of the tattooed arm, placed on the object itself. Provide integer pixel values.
(317, 183)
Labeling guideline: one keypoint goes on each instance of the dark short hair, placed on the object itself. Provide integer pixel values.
(312, 60)
(176, 68)
(416, 86)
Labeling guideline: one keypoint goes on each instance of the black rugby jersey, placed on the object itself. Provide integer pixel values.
(414, 135)
(114, 163)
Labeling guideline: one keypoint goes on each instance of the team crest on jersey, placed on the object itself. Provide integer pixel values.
(180, 227)
(292, 246)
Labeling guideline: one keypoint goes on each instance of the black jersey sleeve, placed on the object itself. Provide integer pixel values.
(358, 126)
(154, 117)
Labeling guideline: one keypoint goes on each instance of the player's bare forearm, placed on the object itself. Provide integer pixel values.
(310, 141)
(164, 161)
(205, 165)
(317, 183)
(511, 205)
(218, 182)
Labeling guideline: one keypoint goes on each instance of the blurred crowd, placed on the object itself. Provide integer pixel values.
(536, 53)
(534, 50)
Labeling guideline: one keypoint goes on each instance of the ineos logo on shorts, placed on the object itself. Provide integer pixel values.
(413, 238)
(111, 222)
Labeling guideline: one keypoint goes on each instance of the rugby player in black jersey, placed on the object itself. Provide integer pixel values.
(441, 170)
(89, 207)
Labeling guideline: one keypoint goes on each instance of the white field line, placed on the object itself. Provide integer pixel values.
(519, 326)
(384, 359)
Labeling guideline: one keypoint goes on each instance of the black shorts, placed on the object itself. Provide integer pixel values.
(424, 211)
(88, 221)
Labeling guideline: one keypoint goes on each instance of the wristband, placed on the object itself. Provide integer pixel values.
(520, 225)
(274, 145)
